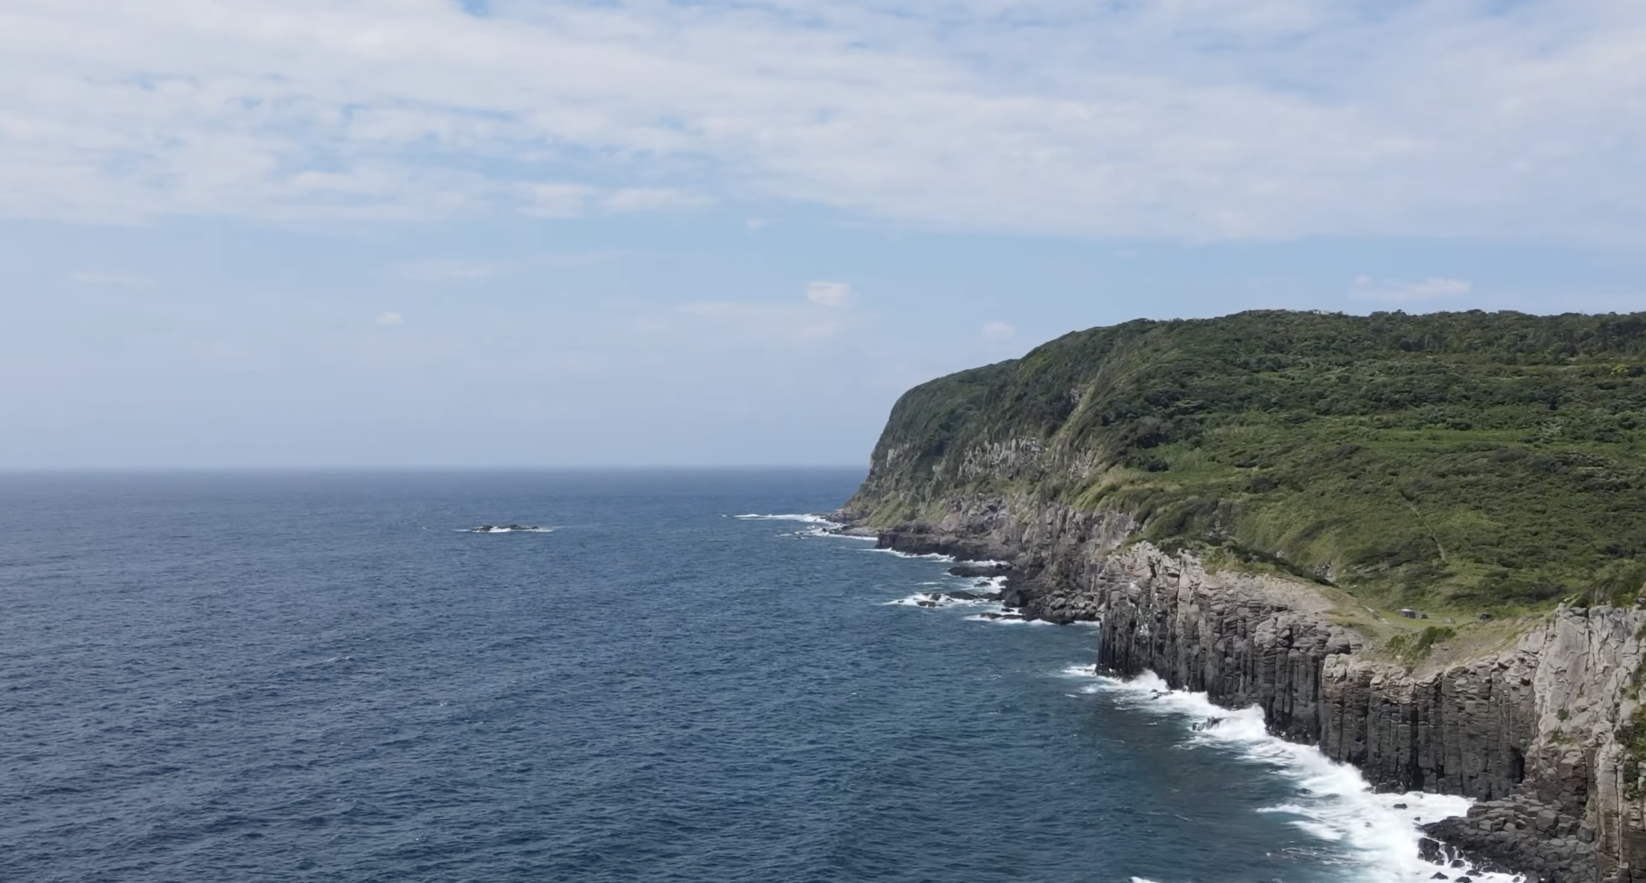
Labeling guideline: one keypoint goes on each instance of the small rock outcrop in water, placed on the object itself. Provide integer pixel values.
(503, 528)
(1207, 724)
(985, 569)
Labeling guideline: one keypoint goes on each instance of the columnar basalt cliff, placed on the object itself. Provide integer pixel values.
(1243, 502)
(1536, 730)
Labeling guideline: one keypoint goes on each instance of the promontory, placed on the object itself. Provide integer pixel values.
(1416, 541)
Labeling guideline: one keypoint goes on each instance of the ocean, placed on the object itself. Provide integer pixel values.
(679, 677)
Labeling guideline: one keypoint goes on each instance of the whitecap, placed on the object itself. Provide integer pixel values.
(809, 519)
(831, 531)
(938, 600)
(820, 526)
(1340, 808)
(1001, 620)
(929, 556)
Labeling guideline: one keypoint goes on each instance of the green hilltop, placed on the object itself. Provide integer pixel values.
(1465, 460)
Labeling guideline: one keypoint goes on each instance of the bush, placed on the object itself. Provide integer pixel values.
(1481, 458)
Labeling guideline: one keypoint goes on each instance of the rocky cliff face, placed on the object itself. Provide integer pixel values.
(1537, 730)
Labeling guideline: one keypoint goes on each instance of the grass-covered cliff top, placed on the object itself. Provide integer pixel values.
(1454, 459)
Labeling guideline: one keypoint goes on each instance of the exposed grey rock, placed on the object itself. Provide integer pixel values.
(991, 568)
(1531, 730)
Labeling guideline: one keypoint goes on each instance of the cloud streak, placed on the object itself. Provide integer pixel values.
(444, 270)
(998, 331)
(1393, 291)
(1183, 120)
(829, 294)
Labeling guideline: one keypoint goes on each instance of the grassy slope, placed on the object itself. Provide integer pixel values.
(1459, 460)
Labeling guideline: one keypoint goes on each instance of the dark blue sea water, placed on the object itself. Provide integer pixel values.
(323, 678)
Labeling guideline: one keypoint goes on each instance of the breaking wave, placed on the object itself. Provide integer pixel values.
(941, 599)
(1335, 802)
(929, 556)
(820, 526)
(809, 519)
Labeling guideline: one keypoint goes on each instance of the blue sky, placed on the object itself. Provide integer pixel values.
(427, 233)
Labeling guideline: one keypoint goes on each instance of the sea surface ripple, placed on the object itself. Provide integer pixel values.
(325, 678)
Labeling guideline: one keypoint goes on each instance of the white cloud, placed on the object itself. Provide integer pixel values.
(644, 199)
(390, 319)
(440, 270)
(579, 258)
(118, 279)
(829, 294)
(557, 200)
(443, 270)
(1189, 119)
(766, 323)
(998, 331)
(755, 225)
(1433, 288)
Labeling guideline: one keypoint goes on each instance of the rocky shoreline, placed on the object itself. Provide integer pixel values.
(1536, 730)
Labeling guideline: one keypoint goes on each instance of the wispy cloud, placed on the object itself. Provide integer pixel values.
(441, 270)
(1393, 291)
(579, 258)
(116, 279)
(649, 199)
(557, 200)
(998, 331)
(1203, 120)
(829, 294)
(824, 315)
(764, 322)
(390, 319)
(444, 270)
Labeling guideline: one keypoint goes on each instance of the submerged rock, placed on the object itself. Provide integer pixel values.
(974, 568)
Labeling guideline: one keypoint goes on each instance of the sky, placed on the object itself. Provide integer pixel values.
(505, 233)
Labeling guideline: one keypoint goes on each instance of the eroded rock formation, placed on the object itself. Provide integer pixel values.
(1537, 729)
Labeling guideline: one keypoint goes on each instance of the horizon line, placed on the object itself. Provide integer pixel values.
(595, 467)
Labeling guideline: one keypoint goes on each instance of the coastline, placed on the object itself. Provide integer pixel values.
(1526, 730)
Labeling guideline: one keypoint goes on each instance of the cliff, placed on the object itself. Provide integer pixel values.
(1473, 461)
(1538, 729)
(1241, 547)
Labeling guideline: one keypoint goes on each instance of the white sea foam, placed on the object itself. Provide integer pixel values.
(820, 526)
(507, 530)
(929, 556)
(1016, 615)
(933, 600)
(809, 519)
(1338, 805)
(831, 531)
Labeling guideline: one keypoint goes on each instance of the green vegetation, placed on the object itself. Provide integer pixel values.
(1456, 460)
(1632, 736)
(1414, 648)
